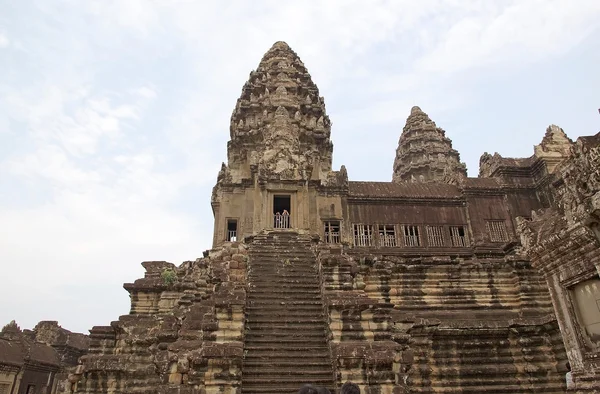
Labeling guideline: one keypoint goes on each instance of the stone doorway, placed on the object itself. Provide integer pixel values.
(232, 230)
(282, 210)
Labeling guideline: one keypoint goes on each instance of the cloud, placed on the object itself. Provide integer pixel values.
(4, 41)
(114, 122)
(529, 30)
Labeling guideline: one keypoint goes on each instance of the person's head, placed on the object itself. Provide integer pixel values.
(308, 389)
(350, 388)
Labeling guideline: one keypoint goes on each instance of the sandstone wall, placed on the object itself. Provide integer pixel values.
(184, 333)
(442, 324)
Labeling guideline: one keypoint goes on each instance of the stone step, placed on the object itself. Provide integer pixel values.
(281, 256)
(285, 316)
(296, 247)
(285, 343)
(277, 262)
(287, 363)
(284, 272)
(283, 388)
(291, 270)
(279, 284)
(297, 353)
(309, 360)
(291, 303)
(279, 296)
(278, 308)
(289, 330)
(294, 346)
(249, 381)
(275, 283)
(288, 371)
(285, 320)
(284, 288)
(308, 341)
(282, 296)
(275, 335)
(282, 247)
(268, 299)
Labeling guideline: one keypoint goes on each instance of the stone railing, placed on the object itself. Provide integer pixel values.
(281, 221)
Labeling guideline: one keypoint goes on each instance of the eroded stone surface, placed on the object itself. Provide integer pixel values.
(419, 285)
(184, 334)
(438, 325)
(279, 129)
(41, 358)
(425, 154)
(563, 242)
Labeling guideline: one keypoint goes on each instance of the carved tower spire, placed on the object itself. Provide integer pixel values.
(279, 129)
(425, 154)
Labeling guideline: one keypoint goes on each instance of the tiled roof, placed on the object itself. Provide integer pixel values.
(498, 183)
(14, 352)
(590, 140)
(482, 183)
(11, 352)
(407, 190)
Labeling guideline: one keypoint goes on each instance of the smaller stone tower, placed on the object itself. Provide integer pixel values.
(425, 154)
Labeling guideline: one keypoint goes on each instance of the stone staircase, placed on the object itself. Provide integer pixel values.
(286, 332)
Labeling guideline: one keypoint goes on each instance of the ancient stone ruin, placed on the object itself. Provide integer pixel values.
(39, 360)
(417, 285)
(563, 242)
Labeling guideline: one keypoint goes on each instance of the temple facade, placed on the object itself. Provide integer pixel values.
(38, 361)
(429, 283)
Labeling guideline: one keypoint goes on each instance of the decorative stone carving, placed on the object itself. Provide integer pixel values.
(554, 148)
(283, 146)
(184, 333)
(410, 290)
(562, 242)
(425, 154)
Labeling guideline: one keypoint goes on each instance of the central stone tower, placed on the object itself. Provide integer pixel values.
(279, 151)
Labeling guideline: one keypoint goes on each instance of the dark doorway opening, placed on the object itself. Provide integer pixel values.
(281, 211)
(232, 230)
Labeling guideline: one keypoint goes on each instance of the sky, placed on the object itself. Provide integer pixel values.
(114, 116)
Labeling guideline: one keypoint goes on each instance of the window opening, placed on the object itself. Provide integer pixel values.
(497, 230)
(332, 232)
(31, 389)
(458, 236)
(281, 211)
(435, 235)
(4, 388)
(411, 236)
(387, 235)
(586, 297)
(363, 235)
(232, 230)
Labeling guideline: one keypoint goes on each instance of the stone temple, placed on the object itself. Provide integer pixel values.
(434, 282)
